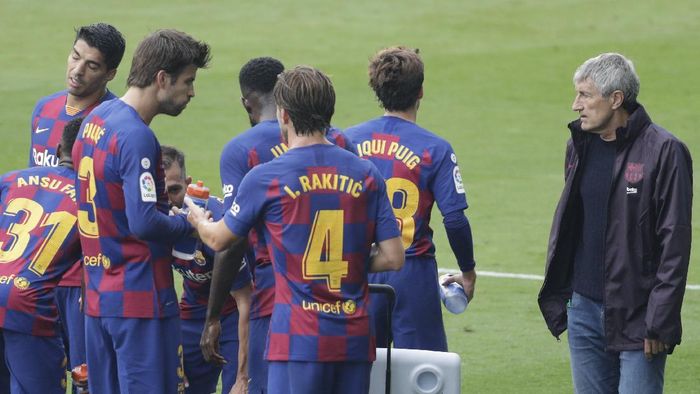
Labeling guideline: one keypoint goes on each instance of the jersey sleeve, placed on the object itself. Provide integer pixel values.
(232, 169)
(447, 186)
(242, 279)
(35, 113)
(386, 226)
(138, 155)
(247, 205)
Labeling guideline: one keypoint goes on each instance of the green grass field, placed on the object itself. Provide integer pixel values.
(498, 86)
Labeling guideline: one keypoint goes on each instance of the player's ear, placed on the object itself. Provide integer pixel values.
(59, 150)
(111, 74)
(188, 180)
(162, 78)
(420, 93)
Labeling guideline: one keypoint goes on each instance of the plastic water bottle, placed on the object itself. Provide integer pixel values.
(453, 296)
(79, 375)
(199, 194)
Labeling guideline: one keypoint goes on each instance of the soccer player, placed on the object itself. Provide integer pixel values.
(261, 143)
(420, 168)
(322, 208)
(92, 63)
(38, 243)
(195, 265)
(132, 324)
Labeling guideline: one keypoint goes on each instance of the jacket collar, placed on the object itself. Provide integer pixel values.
(638, 121)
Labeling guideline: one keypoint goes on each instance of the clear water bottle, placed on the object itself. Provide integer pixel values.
(453, 296)
(79, 375)
(199, 194)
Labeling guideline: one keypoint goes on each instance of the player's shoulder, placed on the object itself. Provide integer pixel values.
(53, 98)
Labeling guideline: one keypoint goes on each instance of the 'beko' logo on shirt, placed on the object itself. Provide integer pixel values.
(148, 188)
(235, 208)
(228, 190)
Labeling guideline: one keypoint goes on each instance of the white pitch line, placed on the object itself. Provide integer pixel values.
(523, 276)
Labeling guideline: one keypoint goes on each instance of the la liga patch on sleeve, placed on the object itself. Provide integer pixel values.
(459, 185)
(148, 187)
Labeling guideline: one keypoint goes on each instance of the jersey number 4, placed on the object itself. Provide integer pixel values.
(30, 215)
(323, 258)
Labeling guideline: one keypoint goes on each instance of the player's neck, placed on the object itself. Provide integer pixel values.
(298, 141)
(268, 113)
(408, 115)
(143, 101)
(75, 104)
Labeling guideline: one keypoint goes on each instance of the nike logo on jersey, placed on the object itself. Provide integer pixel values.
(38, 130)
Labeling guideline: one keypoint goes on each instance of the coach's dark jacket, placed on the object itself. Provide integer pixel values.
(647, 240)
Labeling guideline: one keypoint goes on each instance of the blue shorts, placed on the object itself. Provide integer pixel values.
(203, 376)
(304, 377)
(417, 316)
(257, 365)
(72, 324)
(127, 355)
(36, 364)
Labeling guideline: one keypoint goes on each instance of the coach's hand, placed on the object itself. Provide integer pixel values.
(469, 283)
(652, 347)
(210, 342)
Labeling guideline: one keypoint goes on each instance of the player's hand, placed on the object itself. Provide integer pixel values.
(196, 213)
(210, 342)
(241, 385)
(469, 283)
(652, 347)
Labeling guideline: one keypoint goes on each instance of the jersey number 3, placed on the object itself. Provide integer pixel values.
(323, 258)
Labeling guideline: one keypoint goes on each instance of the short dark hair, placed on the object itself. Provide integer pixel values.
(70, 133)
(171, 155)
(396, 76)
(307, 95)
(106, 38)
(260, 74)
(169, 50)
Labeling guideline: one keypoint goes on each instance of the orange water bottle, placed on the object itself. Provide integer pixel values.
(79, 375)
(198, 193)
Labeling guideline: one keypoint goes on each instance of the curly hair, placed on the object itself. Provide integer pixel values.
(260, 74)
(396, 76)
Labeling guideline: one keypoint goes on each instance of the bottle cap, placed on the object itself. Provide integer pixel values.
(198, 190)
(79, 374)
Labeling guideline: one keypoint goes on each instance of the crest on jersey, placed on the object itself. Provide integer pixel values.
(349, 307)
(634, 172)
(457, 176)
(148, 187)
(199, 258)
(21, 283)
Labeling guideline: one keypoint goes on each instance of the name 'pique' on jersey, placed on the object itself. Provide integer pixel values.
(126, 233)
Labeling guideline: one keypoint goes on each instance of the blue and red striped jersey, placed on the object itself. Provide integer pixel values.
(259, 144)
(125, 231)
(48, 120)
(420, 168)
(196, 273)
(38, 244)
(322, 208)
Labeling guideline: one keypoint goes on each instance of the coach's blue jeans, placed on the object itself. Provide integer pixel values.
(595, 370)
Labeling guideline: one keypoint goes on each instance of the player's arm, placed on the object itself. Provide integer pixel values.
(242, 297)
(387, 255)
(387, 252)
(138, 157)
(459, 234)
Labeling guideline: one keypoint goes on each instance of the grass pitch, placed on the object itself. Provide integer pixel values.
(498, 86)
